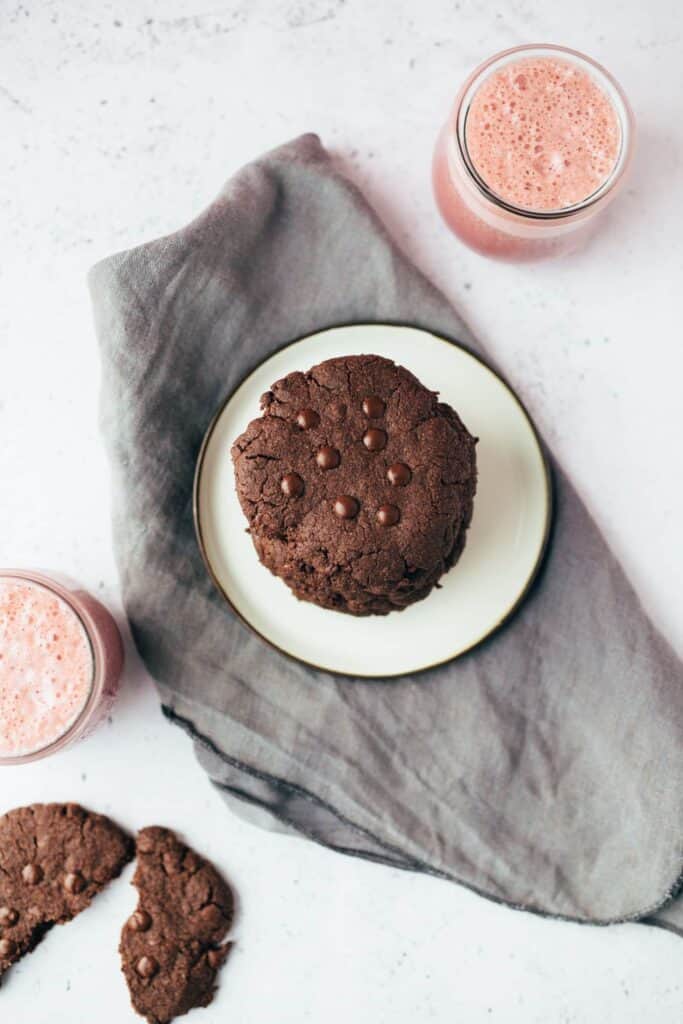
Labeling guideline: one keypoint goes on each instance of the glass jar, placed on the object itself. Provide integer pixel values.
(61, 657)
(483, 219)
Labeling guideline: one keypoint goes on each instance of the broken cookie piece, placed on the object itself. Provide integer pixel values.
(54, 859)
(171, 945)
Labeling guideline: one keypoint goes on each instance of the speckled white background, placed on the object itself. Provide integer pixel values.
(118, 121)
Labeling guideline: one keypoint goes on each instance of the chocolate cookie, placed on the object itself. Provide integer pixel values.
(357, 484)
(54, 858)
(170, 946)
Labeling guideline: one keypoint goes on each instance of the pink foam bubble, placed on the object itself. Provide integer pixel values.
(46, 667)
(542, 134)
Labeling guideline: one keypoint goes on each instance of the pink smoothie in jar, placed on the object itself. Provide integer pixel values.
(538, 142)
(60, 661)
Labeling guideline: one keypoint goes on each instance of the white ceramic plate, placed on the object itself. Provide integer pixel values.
(506, 540)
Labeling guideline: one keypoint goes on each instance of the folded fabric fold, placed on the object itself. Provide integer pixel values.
(543, 769)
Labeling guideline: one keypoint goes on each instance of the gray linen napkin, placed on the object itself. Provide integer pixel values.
(544, 769)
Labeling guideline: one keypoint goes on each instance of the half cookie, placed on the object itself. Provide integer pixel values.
(54, 859)
(170, 946)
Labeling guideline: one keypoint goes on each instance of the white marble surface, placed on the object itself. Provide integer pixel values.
(119, 121)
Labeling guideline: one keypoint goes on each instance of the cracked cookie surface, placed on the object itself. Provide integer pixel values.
(357, 484)
(171, 945)
(54, 859)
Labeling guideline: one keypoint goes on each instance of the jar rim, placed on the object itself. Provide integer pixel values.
(40, 579)
(603, 79)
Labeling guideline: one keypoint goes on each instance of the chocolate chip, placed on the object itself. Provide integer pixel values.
(328, 458)
(32, 874)
(217, 956)
(8, 917)
(346, 507)
(211, 916)
(307, 419)
(374, 439)
(74, 882)
(7, 948)
(292, 486)
(373, 406)
(140, 921)
(388, 515)
(147, 967)
(399, 474)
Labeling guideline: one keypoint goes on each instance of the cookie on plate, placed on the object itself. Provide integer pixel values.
(54, 859)
(357, 484)
(171, 945)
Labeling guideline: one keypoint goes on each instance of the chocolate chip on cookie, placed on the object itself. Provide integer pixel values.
(327, 457)
(292, 486)
(388, 480)
(171, 946)
(388, 515)
(54, 859)
(373, 406)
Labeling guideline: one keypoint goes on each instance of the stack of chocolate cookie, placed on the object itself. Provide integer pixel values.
(357, 484)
